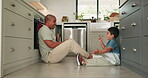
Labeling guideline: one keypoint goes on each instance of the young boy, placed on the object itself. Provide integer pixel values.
(108, 56)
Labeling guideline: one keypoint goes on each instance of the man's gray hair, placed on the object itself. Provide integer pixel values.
(49, 17)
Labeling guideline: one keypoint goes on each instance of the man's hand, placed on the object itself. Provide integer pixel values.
(97, 49)
(95, 52)
(65, 40)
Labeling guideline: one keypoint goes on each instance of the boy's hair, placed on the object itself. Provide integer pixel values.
(114, 31)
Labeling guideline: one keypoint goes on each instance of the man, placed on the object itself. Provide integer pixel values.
(52, 51)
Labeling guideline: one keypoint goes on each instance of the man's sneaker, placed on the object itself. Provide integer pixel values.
(78, 60)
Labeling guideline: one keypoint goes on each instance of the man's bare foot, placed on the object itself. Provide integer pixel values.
(90, 56)
(80, 60)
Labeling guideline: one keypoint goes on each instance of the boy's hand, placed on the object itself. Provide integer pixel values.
(100, 39)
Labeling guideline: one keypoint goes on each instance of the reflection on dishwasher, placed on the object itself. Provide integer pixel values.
(76, 31)
(79, 35)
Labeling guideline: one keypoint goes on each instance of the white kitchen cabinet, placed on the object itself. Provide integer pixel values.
(14, 6)
(17, 49)
(17, 36)
(14, 23)
(93, 41)
(96, 30)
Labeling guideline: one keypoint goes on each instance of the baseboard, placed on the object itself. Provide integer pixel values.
(136, 70)
(20, 65)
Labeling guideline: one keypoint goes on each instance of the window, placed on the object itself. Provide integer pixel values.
(86, 9)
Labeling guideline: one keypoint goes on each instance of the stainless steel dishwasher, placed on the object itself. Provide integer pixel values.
(76, 31)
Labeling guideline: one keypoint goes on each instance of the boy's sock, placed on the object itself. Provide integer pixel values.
(96, 56)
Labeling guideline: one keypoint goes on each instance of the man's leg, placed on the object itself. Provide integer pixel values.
(63, 49)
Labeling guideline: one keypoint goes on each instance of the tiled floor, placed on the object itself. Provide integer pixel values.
(69, 69)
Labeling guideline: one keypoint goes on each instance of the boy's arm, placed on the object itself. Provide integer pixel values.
(101, 43)
(106, 50)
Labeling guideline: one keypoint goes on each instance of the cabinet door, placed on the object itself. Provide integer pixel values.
(129, 8)
(16, 49)
(17, 26)
(94, 43)
(145, 20)
(130, 49)
(144, 50)
(130, 26)
(122, 2)
(16, 7)
(144, 2)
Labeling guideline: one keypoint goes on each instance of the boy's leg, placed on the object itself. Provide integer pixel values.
(63, 49)
(97, 62)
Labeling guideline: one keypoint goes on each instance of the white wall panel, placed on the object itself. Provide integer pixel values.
(61, 7)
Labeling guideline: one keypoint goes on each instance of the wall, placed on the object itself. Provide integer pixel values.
(60, 8)
(0, 37)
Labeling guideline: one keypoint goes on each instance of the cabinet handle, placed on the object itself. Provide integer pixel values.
(12, 24)
(133, 24)
(29, 28)
(123, 28)
(29, 14)
(29, 48)
(12, 49)
(147, 18)
(134, 5)
(12, 4)
(123, 13)
(123, 49)
(134, 49)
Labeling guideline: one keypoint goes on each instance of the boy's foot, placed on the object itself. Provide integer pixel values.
(79, 61)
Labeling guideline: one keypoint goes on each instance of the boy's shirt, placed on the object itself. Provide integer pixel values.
(114, 55)
(114, 45)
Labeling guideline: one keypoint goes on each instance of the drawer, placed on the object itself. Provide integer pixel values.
(144, 50)
(17, 26)
(129, 8)
(16, 49)
(132, 51)
(99, 26)
(18, 8)
(145, 20)
(130, 26)
(144, 2)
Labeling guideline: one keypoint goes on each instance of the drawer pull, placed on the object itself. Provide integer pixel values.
(147, 18)
(133, 24)
(123, 12)
(134, 5)
(29, 48)
(12, 4)
(134, 50)
(29, 28)
(12, 49)
(29, 14)
(122, 28)
(12, 24)
(123, 49)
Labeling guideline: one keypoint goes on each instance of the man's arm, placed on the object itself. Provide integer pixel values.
(52, 44)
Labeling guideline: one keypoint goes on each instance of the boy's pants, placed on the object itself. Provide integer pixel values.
(104, 59)
(63, 49)
(98, 62)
